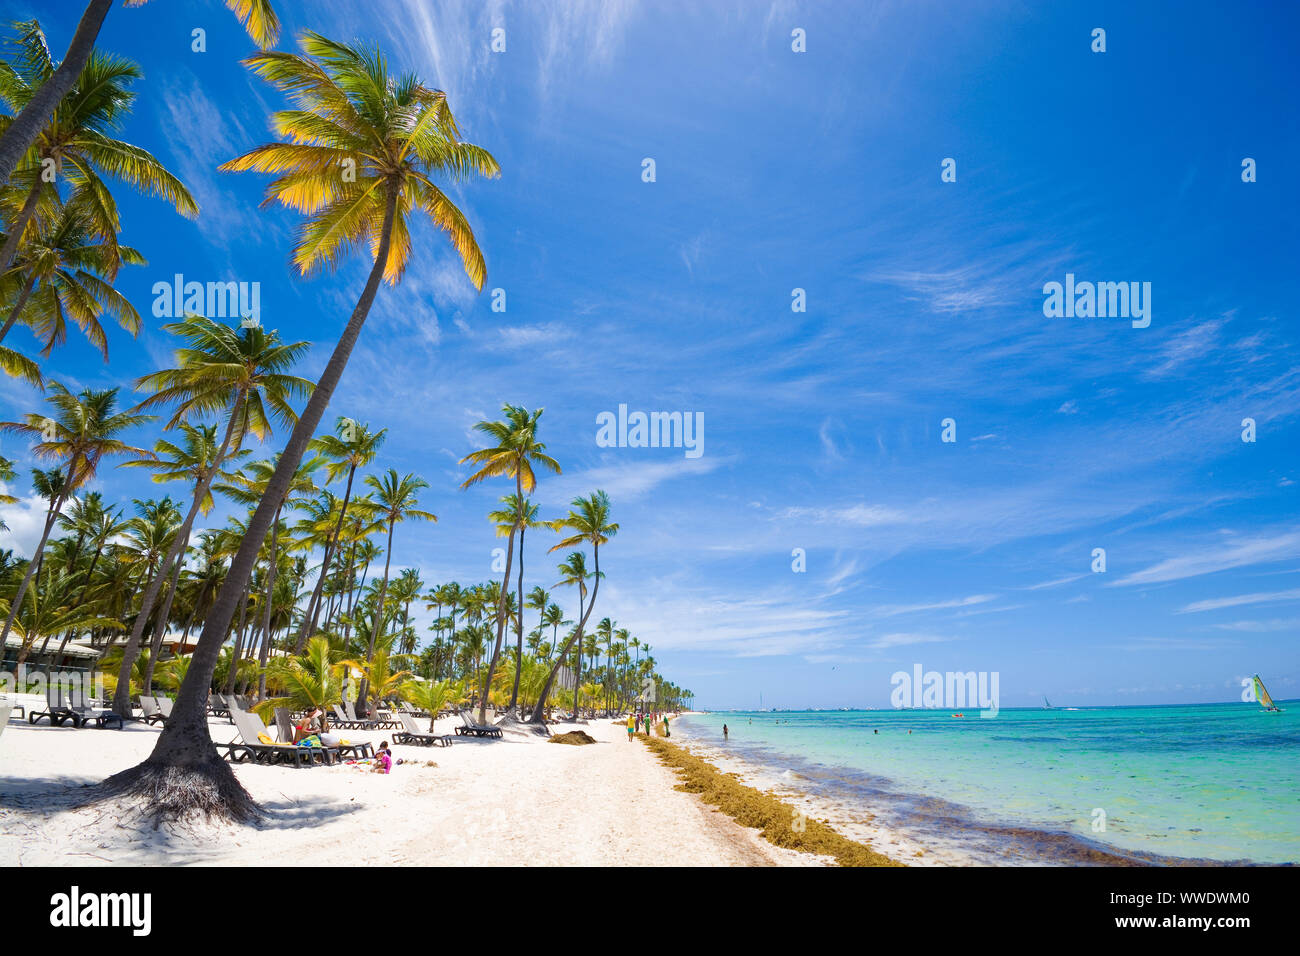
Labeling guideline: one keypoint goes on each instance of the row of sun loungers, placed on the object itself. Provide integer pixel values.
(471, 728)
(77, 711)
(255, 744)
(413, 735)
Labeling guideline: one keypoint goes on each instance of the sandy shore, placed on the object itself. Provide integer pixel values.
(518, 801)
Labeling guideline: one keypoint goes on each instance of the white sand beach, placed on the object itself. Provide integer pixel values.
(518, 801)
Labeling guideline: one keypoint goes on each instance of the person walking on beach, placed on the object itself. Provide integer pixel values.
(667, 732)
(631, 727)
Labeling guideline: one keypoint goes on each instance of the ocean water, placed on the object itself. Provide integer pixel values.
(1214, 782)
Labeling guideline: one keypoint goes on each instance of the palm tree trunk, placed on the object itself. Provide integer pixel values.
(539, 709)
(184, 774)
(122, 696)
(22, 132)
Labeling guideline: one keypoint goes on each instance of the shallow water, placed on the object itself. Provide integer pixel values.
(1210, 781)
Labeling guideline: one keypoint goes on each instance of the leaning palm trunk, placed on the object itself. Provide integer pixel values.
(185, 774)
(122, 696)
(22, 132)
(539, 710)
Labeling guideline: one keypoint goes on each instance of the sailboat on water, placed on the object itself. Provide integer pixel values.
(1262, 696)
(1047, 704)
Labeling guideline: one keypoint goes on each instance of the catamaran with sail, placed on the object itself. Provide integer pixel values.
(1262, 696)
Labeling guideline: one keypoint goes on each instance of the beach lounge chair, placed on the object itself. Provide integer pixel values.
(152, 712)
(472, 728)
(343, 751)
(99, 716)
(6, 707)
(58, 713)
(255, 744)
(413, 735)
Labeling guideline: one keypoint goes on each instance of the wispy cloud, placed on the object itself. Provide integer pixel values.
(1259, 597)
(1221, 557)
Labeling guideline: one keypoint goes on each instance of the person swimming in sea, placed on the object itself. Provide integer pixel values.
(724, 731)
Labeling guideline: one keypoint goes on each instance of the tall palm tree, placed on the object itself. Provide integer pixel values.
(588, 520)
(83, 431)
(77, 139)
(38, 87)
(394, 133)
(241, 373)
(515, 452)
(403, 590)
(517, 515)
(354, 447)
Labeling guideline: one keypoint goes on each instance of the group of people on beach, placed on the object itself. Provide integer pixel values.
(311, 729)
(642, 722)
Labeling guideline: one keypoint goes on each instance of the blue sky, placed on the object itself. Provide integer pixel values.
(820, 170)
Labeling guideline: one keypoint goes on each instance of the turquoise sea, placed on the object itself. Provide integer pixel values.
(1209, 782)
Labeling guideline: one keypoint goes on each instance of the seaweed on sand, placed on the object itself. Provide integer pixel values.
(778, 822)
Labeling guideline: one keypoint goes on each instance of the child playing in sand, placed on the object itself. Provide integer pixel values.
(383, 758)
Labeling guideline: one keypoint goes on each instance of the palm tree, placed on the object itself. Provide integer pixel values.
(403, 590)
(393, 133)
(354, 447)
(52, 610)
(588, 520)
(76, 138)
(36, 88)
(517, 515)
(64, 273)
(239, 372)
(513, 455)
(83, 432)
(574, 573)
(397, 498)
(431, 696)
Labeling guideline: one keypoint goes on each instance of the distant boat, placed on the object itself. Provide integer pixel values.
(1047, 704)
(1265, 701)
